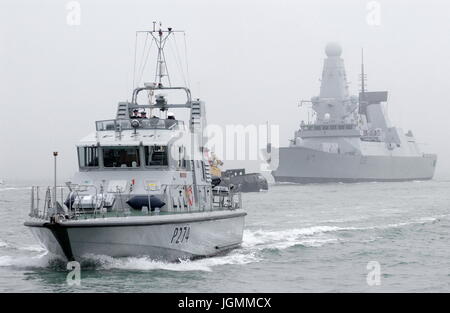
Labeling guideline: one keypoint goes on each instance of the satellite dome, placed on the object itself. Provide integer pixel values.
(333, 49)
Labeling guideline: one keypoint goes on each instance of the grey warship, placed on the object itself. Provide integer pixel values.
(350, 138)
(143, 187)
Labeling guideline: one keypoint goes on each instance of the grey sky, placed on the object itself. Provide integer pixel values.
(251, 61)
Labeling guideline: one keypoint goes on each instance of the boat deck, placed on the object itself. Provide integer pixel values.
(135, 213)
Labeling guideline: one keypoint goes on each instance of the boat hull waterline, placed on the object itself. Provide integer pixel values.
(303, 165)
(163, 238)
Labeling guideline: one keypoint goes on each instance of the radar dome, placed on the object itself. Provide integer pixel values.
(333, 49)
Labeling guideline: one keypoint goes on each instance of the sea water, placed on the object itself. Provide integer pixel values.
(362, 237)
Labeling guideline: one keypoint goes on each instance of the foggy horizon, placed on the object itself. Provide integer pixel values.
(250, 62)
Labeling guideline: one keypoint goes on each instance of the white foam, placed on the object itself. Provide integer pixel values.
(314, 236)
(144, 264)
(41, 260)
(421, 220)
(147, 264)
(252, 238)
(282, 239)
(33, 248)
(318, 242)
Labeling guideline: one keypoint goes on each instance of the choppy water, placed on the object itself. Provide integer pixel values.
(298, 238)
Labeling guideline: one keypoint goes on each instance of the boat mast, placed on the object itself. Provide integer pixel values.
(161, 65)
(160, 38)
(363, 76)
(362, 94)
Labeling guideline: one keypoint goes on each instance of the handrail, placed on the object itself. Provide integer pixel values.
(125, 124)
(139, 89)
(71, 201)
(43, 209)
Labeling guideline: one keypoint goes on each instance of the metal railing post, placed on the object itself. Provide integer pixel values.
(32, 202)
(37, 200)
(55, 154)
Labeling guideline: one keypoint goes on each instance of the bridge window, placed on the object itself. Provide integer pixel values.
(156, 156)
(88, 156)
(121, 157)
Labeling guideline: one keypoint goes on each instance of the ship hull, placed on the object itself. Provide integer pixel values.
(246, 183)
(303, 165)
(165, 238)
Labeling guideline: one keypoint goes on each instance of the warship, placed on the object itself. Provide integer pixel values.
(350, 138)
(143, 187)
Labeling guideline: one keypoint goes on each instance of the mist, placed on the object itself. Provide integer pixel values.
(250, 61)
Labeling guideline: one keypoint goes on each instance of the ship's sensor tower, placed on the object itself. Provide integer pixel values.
(334, 104)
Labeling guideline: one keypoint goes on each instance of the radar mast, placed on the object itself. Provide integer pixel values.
(160, 38)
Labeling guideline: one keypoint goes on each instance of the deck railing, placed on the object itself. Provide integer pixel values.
(69, 201)
(44, 201)
(125, 124)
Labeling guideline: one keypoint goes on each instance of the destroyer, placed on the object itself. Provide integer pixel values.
(143, 186)
(350, 138)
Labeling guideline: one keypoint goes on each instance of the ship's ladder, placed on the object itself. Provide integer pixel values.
(207, 172)
(122, 110)
(196, 115)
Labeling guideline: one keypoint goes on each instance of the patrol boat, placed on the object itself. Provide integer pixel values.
(349, 138)
(143, 187)
(250, 182)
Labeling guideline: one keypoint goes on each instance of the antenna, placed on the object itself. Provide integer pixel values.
(363, 76)
(161, 65)
(55, 155)
(362, 94)
(160, 38)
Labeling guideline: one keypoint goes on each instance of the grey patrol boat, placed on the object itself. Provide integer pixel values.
(143, 187)
(349, 138)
